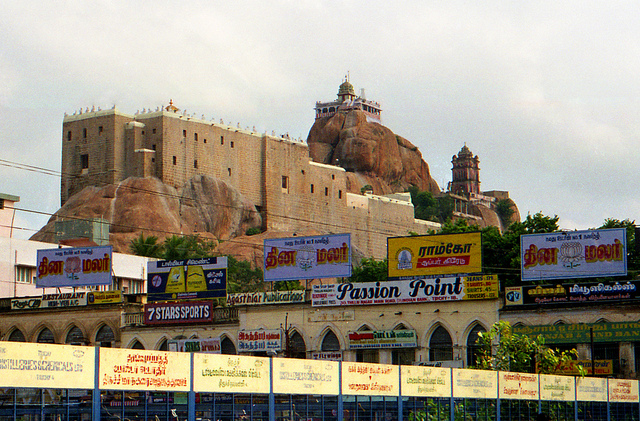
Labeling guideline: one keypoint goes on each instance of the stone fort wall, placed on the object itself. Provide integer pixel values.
(274, 173)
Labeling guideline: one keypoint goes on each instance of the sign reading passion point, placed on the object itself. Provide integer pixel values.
(414, 291)
(323, 256)
(187, 279)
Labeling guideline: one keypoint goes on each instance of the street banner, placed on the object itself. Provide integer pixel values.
(623, 391)
(139, 369)
(591, 389)
(323, 256)
(206, 346)
(74, 267)
(410, 291)
(230, 373)
(572, 294)
(557, 388)
(198, 278)
(426, 381)
(433, 255)
(518, 386)
(314, 377)
(46, 366)
(574, 254)
(260, 340)
(370, 379)
(479, 384)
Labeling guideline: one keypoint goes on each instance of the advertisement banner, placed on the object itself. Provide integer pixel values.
(260, 340)
(568, 294)
(207, 346)
(557, 388)
(591, 389)
(603, 368)
(74, 267)
(370, 379)
(432, 255)
(64, 299)
(104, 297)
(426, 381)
(323, 256)
(138, 369)
(180, 312)
(187, 279)
(46, 366)
(623, 390)
(311, 377)
(582, 333)
(266, 297)
(574, 254)
(413, 291)
(230, 373)
(402, 338)
(327, 355)
(518, 386)
(480, 384)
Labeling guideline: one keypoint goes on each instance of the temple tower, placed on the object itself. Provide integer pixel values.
(465, 173)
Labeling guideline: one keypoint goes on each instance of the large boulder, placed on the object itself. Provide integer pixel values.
(204, 206)
(370, 152)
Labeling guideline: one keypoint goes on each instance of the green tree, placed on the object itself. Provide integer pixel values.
(241, 277)
(501, 349)
(148, 246)
(370, 270)
(633, 259)
(430, 208)
(458, 226)
(186, 247)
(504, 211)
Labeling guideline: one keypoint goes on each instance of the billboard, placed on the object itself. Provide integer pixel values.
(431, 255)
(260, 340)
(266, 297)
(399, 292)
(567, 294)
(322, 256)
(74, 267)
(187, 279)
(574, 254)
(175, 313)
(582, 333)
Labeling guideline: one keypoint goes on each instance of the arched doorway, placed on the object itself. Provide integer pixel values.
(440, 345)
(105, 337)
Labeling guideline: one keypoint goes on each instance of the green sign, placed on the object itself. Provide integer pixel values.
(582, 332)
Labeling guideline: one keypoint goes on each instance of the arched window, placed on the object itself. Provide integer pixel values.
(227, 347)
(440, 345)
(164, 345)
(367, 355)
(16, 336)
(330, 342)
(297, 348)
(45, 337)
(472, 344)
(402, 356)
(75, 336)
(105, 337)
(137, 345)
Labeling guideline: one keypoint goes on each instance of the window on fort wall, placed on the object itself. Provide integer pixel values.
(69, 135)
(195, 163)
(229, 169)
(326, 191)
(100, 129)
(285, 183)
(84, 133)
(175, 160)
(84, 161)
(184, 133)
(222, 140)
(312, 188)
(153, 131)
(339, 194)
(231, 144)
(195, 137)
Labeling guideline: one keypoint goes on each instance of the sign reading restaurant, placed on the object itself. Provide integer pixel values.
(432, 255)
(399, 292)
(574, 254)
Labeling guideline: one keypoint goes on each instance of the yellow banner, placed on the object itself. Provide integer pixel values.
(479, 384)
(370, 379)
(430, 255)
(603, 368)
(521, 386)
(426, 381)
(623, 390)
(46, 366)
(136, 369)
(591, 389)
(230, 373)
(309, 377)
(557, 388)
(104, 297)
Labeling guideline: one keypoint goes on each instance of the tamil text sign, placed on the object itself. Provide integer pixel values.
(73, 267)
(230, 373)
(409, 291)
(574, 254)
(207, 346)
(370, 379)
(567, 294)
(187, 279)
(260, 340)
(402, 338)
(312, 377)
(430, 255)
(266, 297)
(325, 256)
(426, 381)
(582, 332)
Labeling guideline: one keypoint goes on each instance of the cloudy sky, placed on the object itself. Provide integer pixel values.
(546, 93)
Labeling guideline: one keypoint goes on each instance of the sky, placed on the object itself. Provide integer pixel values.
(546, 93)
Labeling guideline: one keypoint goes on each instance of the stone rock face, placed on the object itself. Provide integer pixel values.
(204, 206)
(371, 153)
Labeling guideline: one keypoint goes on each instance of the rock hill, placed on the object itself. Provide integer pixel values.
(371, 153)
